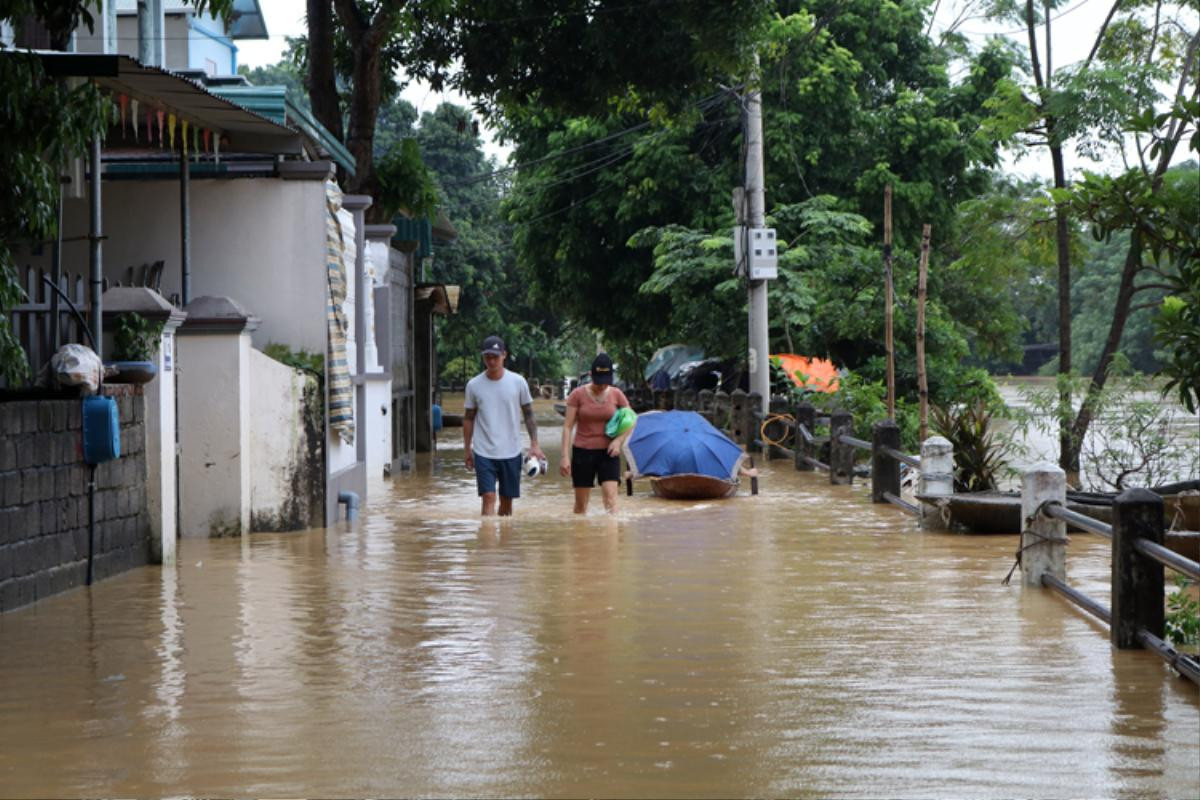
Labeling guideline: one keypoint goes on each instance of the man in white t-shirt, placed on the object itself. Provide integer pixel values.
(496, 401)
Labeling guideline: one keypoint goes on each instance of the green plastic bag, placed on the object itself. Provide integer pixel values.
(620, 422)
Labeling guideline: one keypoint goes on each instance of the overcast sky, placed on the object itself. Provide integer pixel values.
(285, 18)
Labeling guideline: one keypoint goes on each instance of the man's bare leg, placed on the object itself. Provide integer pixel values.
(488, 503)
(505, 506)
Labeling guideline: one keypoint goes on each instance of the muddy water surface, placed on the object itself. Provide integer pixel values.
(802, 642)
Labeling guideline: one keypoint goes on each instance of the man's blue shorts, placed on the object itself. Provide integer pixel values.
(505, 470)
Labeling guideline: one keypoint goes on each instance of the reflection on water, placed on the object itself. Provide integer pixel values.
(802, 642)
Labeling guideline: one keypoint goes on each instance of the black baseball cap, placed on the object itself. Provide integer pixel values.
(602, 369)
(493, 344)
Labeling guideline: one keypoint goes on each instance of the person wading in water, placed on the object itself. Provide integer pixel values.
(595, 457)
(496, 401)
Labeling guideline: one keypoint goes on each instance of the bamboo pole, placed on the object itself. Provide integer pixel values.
(922, 382)
(887, 274)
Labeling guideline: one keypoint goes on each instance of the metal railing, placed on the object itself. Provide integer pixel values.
(1139, 560)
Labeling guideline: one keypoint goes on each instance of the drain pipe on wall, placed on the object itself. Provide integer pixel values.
(351, 501)
(91, 490)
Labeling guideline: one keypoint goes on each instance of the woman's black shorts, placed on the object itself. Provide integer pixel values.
(591, 466)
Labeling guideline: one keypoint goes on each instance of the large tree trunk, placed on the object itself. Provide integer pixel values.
(364, 111)
(320, 81)
(367, 37)
(1133, 264)
(1068, 451)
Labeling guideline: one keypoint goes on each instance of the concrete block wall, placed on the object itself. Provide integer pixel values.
(44, 499)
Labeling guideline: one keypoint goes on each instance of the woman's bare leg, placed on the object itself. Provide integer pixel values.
(609, 491)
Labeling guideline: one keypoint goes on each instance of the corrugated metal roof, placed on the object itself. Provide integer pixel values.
(415, 230)
(247, 130)
(155, 87)
(247, 21)
(272, 102)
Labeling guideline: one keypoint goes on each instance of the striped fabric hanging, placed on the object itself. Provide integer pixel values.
(341, 391)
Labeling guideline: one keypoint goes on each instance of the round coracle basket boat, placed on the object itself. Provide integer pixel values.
(690, 486)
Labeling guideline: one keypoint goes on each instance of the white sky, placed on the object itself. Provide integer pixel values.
(1083, 18)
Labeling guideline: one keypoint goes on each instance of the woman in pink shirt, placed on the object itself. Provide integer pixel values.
(594, 457)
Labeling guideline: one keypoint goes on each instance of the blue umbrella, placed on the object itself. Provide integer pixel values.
(681, 442)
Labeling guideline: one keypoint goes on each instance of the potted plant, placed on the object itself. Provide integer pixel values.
(135, 342)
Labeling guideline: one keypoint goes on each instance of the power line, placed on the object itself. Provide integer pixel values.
(607, 160)
(573, 204)
(703, 104)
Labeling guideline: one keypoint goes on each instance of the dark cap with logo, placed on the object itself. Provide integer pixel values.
(493, 344)
(602, 369)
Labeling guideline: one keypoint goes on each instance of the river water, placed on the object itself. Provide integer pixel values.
(1164, 450)
(802, 642)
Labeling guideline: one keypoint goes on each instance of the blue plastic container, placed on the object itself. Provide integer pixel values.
(101, 430)
(437, 418)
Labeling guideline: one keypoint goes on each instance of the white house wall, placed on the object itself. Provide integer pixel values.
(378, 427)
(204, 52)
(285, 429)
(214, 441)
(260, 241)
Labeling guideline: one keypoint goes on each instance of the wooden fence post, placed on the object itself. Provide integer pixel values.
(885, 469)
(936, 480)
(734, 418)
(704, 403)
(1137, 580)
(805, 415)
(841, 455)
(1043, 538)
(751, 422)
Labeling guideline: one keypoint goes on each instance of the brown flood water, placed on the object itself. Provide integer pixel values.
(800, 643)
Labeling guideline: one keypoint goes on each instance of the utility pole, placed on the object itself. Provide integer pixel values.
(759, 354)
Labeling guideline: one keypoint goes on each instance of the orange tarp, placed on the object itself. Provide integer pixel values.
(820, 375)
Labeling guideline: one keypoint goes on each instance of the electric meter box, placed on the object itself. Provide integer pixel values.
(763, 263)
(101, 430)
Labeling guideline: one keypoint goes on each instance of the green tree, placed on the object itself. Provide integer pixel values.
(1161, 216)
(507, 52)
(481, 260)
(855, 98)
(1111, 102)
(46, 123)
(284, 73)
(1001, 269)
